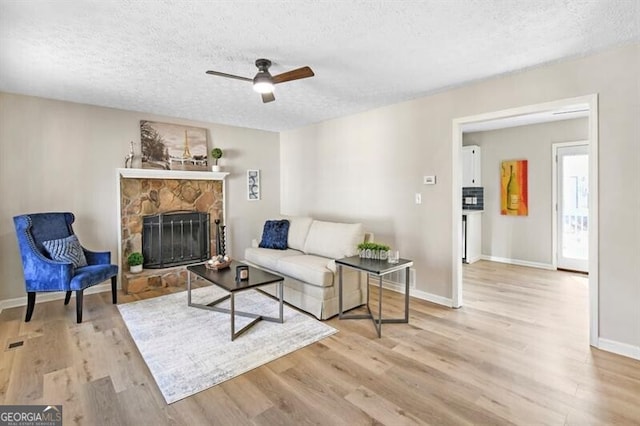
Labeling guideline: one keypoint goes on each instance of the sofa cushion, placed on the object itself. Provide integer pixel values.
(66, 250)
(274, 234)
(298, 230)
(268, 258)
(308, 268)
(334, 240)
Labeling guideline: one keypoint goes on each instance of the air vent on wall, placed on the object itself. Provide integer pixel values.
(396, 279)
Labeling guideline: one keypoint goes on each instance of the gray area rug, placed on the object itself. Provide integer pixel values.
(189, 350)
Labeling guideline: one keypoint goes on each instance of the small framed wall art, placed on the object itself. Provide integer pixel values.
(253, 185)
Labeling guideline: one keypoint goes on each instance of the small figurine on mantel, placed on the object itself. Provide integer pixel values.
(130, 161)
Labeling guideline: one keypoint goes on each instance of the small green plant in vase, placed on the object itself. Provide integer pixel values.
(135, 261)
(216, 154)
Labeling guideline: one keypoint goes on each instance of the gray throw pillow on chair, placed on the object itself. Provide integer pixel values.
(66, 250)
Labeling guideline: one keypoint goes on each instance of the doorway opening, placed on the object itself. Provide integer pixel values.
(571, 206)
(590, 103)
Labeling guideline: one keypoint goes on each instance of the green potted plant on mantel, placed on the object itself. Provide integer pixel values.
(373, 250)
(216, 154)
(135, 261)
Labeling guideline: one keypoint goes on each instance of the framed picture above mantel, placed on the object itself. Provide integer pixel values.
(168, 146)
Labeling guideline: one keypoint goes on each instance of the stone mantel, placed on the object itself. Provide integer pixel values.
(170, 174)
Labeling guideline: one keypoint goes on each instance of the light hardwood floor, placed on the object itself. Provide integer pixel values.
(517, 352)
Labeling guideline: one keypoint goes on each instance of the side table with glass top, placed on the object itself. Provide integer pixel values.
(377, 268)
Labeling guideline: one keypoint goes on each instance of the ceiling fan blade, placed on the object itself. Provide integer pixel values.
(222, 74)
(296, 74)
(268, 97)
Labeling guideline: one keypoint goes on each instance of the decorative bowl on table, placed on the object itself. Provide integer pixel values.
(218, 262)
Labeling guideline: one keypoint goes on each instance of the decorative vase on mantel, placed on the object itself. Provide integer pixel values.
(132, 161)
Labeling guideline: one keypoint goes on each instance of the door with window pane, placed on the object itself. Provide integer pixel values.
(573, 207)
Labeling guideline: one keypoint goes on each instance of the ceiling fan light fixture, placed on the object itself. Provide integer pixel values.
(262, 83)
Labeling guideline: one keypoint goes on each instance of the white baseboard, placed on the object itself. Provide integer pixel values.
(49, 296)
(517, 262)
(623, 349)
(418, 294)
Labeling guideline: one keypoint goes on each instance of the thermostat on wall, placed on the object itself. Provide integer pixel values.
(429, 180)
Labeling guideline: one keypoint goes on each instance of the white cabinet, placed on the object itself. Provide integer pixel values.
(471, 165)
(472, 236)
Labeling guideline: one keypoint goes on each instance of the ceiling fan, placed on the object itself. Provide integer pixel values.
(263, 82)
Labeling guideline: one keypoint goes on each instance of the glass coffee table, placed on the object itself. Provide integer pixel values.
(226, 280)
(377, 268)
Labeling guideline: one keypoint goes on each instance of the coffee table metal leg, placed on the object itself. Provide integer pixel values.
(281, 285)
(340, 311)
(368, 288)
(232, 309)
(232, 306)
(406, 294)
(379, 321)
(189, 288)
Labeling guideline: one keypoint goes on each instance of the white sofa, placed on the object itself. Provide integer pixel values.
(308, 265)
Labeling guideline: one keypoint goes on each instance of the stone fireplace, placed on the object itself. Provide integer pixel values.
(147, 192)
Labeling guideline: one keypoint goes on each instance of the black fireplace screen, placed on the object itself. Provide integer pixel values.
(175, 238)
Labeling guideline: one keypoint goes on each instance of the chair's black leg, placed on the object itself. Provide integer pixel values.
(114, 290)
(67, 297)
(79, 306)
(31, 303)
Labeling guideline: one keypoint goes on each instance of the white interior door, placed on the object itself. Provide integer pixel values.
(572, 206)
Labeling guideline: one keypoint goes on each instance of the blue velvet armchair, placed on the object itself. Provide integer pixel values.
(42, 273)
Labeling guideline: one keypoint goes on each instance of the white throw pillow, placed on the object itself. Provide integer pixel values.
(298, 230)
(334, 240)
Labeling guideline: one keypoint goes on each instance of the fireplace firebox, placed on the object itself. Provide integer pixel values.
(175, 238)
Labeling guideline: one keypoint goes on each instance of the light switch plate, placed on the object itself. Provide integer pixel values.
(418, 198)
(429, 180)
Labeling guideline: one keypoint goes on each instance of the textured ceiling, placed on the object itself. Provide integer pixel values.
(151, 56)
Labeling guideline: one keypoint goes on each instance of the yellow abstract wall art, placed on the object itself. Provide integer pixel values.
(514, 188)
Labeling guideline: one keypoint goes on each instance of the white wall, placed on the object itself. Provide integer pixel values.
(368, 166)
(62, 156)
(522, 238)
